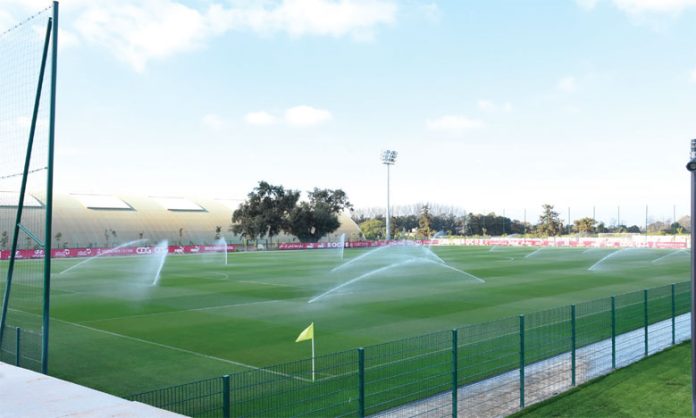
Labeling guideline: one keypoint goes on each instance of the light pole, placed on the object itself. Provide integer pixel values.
(691, 166)
(388, 159)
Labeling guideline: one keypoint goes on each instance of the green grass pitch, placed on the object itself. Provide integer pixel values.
(114, 331)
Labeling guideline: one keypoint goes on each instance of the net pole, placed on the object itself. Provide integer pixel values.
(23, 187)
(49, 193)
(691, 166)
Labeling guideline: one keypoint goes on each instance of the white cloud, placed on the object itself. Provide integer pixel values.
(453, 123)
(587, 4)
(6, 20)
(308, 17)
(306, 116)
(213, 121)
(567, 84)
(659, 6)
(636, 7)
(432, 12)
(490, 106)
(260, 118)
(487, 105)
(137, 32)
(693, 76)
(67, 39)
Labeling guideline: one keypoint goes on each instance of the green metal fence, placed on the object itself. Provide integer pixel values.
(488, 369)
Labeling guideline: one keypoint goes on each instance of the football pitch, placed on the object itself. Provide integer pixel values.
(113, 330)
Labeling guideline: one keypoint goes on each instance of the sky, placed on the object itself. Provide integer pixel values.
(493, 105)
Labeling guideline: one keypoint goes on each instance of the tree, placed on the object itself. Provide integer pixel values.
(549, 222)
(59, 237)
(4, 240)
(685, 222)
(424, 222)
(218, 231)
(373, 229)
(584, 225)
(310, 221)
(265, 212)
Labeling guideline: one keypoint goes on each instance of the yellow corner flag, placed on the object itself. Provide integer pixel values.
(307, 334)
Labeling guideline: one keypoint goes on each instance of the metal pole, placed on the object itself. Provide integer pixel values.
(691, 166)
(49, 193)
(674, 309)
(361, 382)
(388, 208)
(23, 187)
(18, 348)
(226, 396)
(613, 332)
(645, 319)
(455, 367)
(521, 361)
(618, 216)
(646, 223)
(573, 343)
(594, 216)
(525, 221)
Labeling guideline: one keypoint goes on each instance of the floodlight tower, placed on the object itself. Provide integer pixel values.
(388, 159)
(691, 166)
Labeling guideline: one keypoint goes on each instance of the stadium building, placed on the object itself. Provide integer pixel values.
(89, 220)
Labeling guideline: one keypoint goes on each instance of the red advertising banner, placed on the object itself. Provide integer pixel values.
(115, 252)
(491, 242)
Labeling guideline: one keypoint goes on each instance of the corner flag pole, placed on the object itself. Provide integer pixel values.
(308, 334)
(313, 356)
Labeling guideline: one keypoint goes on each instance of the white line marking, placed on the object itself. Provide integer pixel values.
(206, 308)
(169, 347)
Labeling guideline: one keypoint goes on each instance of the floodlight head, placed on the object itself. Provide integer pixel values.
(389, 157)
(691, 165)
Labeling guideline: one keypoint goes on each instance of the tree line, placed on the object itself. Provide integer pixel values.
(475, 224)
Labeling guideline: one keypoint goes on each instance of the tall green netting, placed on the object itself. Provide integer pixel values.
(480, 370)
(26, 87)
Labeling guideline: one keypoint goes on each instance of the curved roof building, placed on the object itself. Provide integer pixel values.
(88, 220)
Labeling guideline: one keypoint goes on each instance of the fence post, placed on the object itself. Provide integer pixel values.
(226, 396)
(674, 311)
(645, 319)
(455, 366)
(613, 332)
(521, 361)
(19, 346)
(361, 382)
(572, 357)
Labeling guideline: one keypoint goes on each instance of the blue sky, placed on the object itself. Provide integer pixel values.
(493, 105)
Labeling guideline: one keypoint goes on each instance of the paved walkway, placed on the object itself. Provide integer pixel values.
(27, 394)
(500, 396)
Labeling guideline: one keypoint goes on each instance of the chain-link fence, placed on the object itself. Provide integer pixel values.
(480, 370)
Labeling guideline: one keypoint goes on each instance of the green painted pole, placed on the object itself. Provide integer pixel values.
(573, 343)
(18, 350)
(645, 319)
(226, 405)
(674, 312)
(49, 194)
(455, 366)
(361, 382)
(521, 361)
(613, 332)
(23, 186)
